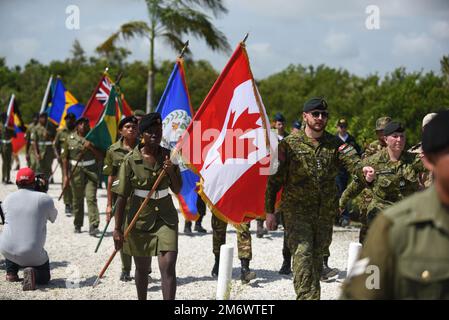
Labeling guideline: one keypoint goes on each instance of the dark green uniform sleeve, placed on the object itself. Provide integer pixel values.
(122, 185)
(108, 163)
(372, 275)
(277, 180)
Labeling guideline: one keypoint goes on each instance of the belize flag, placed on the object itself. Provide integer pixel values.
(176, 113)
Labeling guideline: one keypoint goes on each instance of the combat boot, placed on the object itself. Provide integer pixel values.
(286, 266)
(246, 275)
(188, 227)
(93, 231)
(327, 272)
(260, 229)
(214, 272)
(68, 210)
(199, 228)
(125, 276)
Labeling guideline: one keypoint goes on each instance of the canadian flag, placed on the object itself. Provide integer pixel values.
(230, 145)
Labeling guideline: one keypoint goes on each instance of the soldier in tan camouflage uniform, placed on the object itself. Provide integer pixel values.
(243, 245)
(308, 164)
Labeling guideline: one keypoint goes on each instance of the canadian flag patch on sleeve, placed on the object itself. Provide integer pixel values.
(345, 148)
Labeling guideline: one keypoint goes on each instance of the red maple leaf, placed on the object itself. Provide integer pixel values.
(233, 145)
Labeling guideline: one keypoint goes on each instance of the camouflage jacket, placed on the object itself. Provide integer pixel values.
(394, 180)
(373, 148)
(307, 172)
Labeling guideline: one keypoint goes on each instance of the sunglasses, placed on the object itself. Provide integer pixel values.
(316, 114)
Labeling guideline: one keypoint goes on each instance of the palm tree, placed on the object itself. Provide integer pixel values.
(171, 20)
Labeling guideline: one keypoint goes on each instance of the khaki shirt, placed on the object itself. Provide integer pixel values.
(43, 137)
(406, 254)
(135, 173)
(72, 149)
(61, 137)
(114, 158)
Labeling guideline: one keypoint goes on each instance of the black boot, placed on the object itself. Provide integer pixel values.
(199, 228)
(327, 272)
(246, 275)
(188, 227)
(260, 229)
(214, 272)
(286, 266)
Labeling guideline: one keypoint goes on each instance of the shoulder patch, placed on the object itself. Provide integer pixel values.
(345, 148)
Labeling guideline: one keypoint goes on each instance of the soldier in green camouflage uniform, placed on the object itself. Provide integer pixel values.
(6, 134)
(60, 139)
(309, 162)
(112, 161)
(30, 158)
(84, 179)
(396, 178)
(406, 253)
(243, 245)
(360, 200)
(43, 136)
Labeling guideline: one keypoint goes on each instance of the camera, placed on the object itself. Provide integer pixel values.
(40, 183)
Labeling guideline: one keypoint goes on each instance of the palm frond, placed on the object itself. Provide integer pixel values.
(126, 32)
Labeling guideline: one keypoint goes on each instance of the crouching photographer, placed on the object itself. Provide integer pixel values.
(22, 241)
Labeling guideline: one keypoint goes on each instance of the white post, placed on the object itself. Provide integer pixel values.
(225, 272)
(353, 255)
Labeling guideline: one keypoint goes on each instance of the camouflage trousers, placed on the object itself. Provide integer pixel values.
(243, 238)
(308, 238)
(6, 150)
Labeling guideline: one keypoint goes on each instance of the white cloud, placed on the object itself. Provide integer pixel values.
(440, 30)
(418, 45)
(340, 45)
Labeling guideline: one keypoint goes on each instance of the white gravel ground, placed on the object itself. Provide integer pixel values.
(74, 265)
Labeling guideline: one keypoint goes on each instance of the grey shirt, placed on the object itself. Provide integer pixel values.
(23, 238)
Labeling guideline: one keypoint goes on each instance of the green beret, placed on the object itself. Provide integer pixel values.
(149, 120)
(435, 137)
(315, 104)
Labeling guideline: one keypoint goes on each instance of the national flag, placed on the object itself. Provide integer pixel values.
(230, 145)
(176, 113)
(105, 131)
(62, 103)
(14, 120)
(95, 107)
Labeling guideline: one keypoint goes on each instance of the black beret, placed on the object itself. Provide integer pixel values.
(393, 127)
(315, 104)
(126, 120)
(148, 120)
(297, 124)
(82, 119)
(279, 117)
(70, 115)
(435, 137)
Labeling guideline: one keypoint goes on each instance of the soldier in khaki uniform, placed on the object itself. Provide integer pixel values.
(397, 173)
(156, 230)
(309, 162)
(43, 135)
(85, 177)
(243, 244)
(6, 134)
(112, 161)
(406, 253)
(31, 161)
(60, 139)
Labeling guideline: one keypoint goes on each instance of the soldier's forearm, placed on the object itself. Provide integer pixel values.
(109, 190)
(119, 209)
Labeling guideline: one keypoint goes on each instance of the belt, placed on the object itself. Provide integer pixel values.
(6, 141)
(45, 143)
(83, 163)
(158, 194)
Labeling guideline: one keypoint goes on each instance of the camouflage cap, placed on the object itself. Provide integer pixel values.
(381, 123)
(139, 113)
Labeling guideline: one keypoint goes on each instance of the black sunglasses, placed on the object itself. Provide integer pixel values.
(316, 114)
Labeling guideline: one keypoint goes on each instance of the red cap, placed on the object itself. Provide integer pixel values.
(25, 176)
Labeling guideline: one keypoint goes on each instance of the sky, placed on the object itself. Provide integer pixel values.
(411, 33)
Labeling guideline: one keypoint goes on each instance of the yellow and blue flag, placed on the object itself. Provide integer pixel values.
(176, 113)
(62, 103)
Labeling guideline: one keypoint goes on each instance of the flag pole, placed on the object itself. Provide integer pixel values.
(245, 38)
(47, 92)
(184, 49)
(8, 111)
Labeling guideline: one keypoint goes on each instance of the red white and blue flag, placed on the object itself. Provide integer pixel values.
(230, 145)
(176, 113)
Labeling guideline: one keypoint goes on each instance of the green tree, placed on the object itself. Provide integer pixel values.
(171, 20)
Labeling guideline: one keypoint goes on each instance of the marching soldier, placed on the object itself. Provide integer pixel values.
(114, 158)
(407, 248)
(42, 136)
(378, 144)
(31, 161)
(84, 179)
(6, 134)
(60, 139)
(308, 165)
